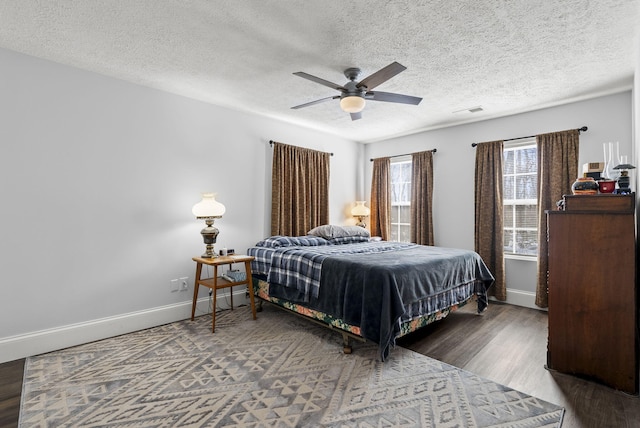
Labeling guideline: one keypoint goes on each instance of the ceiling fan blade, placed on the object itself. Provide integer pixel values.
(321, 100)
(356, 116)
(381, 75)
(392, 98)
(319, 80)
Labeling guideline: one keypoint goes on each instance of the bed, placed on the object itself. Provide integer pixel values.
(371, 290)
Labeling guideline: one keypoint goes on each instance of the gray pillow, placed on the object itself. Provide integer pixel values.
(329, 231)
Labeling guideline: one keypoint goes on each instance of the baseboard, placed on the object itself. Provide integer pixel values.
(39, 342)
(521, 298)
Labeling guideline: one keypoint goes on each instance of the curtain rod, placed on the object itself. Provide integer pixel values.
(583, 129)
(407, 154)
(271, 144)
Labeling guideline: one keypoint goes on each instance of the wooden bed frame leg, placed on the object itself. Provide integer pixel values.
(346, 346)
(259, 305)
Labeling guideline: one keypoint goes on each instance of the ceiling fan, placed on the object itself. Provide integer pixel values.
(354, 94)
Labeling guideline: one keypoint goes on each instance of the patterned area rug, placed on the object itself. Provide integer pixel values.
(277, 371)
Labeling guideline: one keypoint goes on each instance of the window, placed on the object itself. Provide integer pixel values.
(520, 192)
(401, 200)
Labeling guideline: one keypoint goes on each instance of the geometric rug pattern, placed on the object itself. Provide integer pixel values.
(277, 371)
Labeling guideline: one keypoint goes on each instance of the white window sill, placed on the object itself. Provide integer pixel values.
(521, 257)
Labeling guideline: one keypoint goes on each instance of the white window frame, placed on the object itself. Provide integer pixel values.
(399, 160)
(513, 146)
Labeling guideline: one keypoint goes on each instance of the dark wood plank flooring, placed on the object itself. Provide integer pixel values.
(10, 391)
(506, 344)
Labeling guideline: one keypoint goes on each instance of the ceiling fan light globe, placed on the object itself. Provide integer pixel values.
(352, 104)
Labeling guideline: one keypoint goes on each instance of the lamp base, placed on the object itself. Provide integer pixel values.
(209, 235)
(360, 222)
(209, 253)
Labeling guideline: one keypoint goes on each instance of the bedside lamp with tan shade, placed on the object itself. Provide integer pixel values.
(360, 212)
(208, 209)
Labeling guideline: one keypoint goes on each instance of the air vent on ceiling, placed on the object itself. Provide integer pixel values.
(475, 109)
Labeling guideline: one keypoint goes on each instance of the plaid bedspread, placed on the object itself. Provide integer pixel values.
(301, 267)
(262, 260)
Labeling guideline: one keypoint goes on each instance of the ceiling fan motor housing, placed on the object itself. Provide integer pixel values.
(351, 90)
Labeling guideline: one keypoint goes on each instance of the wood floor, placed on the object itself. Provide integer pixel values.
(506, 344)
(10, 390)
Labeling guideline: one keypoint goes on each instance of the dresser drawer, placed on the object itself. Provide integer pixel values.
(603, 202)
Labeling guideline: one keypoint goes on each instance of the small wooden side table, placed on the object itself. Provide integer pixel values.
(216, 283)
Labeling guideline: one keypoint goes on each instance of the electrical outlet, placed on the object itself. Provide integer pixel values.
(174, 285)
(184, 285)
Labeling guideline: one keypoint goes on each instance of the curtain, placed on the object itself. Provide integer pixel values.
(381, 198)
(489, 211)
(421, 198)
(299, 190)
(557, 170)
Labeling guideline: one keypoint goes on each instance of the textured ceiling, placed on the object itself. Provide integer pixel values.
(507, 56)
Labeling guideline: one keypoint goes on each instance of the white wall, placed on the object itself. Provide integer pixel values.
(98, 177)
(608, 118)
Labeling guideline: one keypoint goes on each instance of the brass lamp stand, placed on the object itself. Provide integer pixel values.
(209, 235)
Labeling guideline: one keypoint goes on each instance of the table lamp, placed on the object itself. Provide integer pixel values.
(360, 212)
(624, 180)
(208, 209)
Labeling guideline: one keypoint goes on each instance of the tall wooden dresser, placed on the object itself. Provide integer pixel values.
(593, 324)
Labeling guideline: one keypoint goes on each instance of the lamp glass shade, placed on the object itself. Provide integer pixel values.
(352, 104)
(360, 210)
(208, 207)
